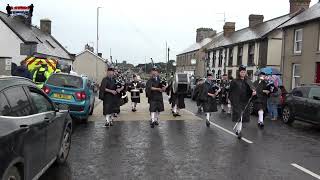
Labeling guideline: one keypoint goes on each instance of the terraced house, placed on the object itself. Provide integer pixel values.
(301, 48)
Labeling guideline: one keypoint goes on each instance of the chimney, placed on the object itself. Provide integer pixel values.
(255, 20)
(45, 26)
(229, 28)
(100, 55)
(297, 5)
(203, 33)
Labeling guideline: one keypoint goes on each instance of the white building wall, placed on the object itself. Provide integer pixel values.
(85, 63)
(10, 44)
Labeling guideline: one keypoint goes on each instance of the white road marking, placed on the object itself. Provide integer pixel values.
(305, 170)
(222, 128)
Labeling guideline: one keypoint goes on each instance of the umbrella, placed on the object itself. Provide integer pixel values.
(270, 71)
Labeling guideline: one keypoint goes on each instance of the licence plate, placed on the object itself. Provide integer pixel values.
(62, 96)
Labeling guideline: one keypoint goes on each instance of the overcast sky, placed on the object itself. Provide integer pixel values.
(136, 30)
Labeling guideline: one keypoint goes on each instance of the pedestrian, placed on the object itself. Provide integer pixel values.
(109, 94)
(273, 100)
(208, 92)
(241, 91)
(260, 100)
(224, 94)
(22, 70)
(9, 8)
(135, 89)
(154, 90)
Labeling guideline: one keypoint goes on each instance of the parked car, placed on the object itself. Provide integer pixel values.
(302, 103)
(74, 91)
(34, 133)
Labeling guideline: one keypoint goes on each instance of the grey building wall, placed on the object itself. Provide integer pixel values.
(309, 56)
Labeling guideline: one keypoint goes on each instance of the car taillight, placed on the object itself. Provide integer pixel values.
(46, 89)
(81, 95)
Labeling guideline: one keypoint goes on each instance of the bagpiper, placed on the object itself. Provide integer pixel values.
(135, 90)
(207, 94)
(109, 94)
(155, 88)
(260, 100)
(224, 94)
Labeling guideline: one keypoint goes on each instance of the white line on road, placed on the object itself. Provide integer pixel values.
(222, 128)
(305, 170)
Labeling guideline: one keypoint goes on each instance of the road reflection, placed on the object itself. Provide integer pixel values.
(58, 172)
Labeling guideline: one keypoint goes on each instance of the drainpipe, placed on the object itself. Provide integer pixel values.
(283, 55)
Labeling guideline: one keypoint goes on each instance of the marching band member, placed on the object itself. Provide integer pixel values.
(109, 94)
(224, 94)
(154, 91)
(176, 99)
(208, 92)
(135, 89)
(260, 100)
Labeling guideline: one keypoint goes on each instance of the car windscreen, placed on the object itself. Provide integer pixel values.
(63, 80)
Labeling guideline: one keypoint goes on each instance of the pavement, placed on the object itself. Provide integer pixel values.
(184, 148)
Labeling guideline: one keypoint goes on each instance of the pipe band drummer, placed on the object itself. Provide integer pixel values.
(135, 89)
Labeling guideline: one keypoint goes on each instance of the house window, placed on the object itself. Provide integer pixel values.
(220, 58)
(251, 55)
(318, 73)
(295, 75)
(219, 74)
(230, 57)
(240, 54)
(319, 38)
(229, 73)
(250, 74)
(298, 41)
(214, 59)
(208, 60)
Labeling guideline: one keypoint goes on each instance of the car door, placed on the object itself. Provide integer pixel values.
(54, 122)
(22, 112)
(313, 105)
(299, 101)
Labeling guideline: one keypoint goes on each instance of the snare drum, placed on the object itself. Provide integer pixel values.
(135, 94)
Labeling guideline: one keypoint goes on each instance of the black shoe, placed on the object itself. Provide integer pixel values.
(260, 125)
(207, 123)
(152, 124)
(134, 110)
(111, 123)
(239, 135)
(178, 114)
(175, 114)
(156, 123)
(107, 124)
(223, 111)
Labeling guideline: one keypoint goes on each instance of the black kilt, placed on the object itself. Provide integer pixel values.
(111, 104)
(156, 106)
(237, 108)
(178, 100)
(210, 105)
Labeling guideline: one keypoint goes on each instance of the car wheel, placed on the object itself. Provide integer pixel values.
(12, 174)
(91, 112)
(287, 116)
(64, 147)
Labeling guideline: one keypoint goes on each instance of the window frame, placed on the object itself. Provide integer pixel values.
(32, 111)
(251, 53)
(295, 41)
(293, 80)
(214, 59)
(220, 58)
(230, 62)
(240, 55)
(29, 91)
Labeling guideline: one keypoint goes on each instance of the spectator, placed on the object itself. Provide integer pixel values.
(273, 100)
(22, 71)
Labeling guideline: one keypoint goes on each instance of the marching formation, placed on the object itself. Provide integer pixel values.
(234, 95)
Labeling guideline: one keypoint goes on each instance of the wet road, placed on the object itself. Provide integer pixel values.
(187, 149)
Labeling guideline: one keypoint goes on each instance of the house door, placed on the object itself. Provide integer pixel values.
(318, 73)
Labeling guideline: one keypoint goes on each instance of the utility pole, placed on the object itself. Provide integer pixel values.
(97, 42)
(168, 61)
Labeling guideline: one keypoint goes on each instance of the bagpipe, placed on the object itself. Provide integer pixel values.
(123, 95)
(181, 83)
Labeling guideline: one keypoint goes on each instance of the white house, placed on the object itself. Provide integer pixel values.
(20, 40)
(89, 64)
